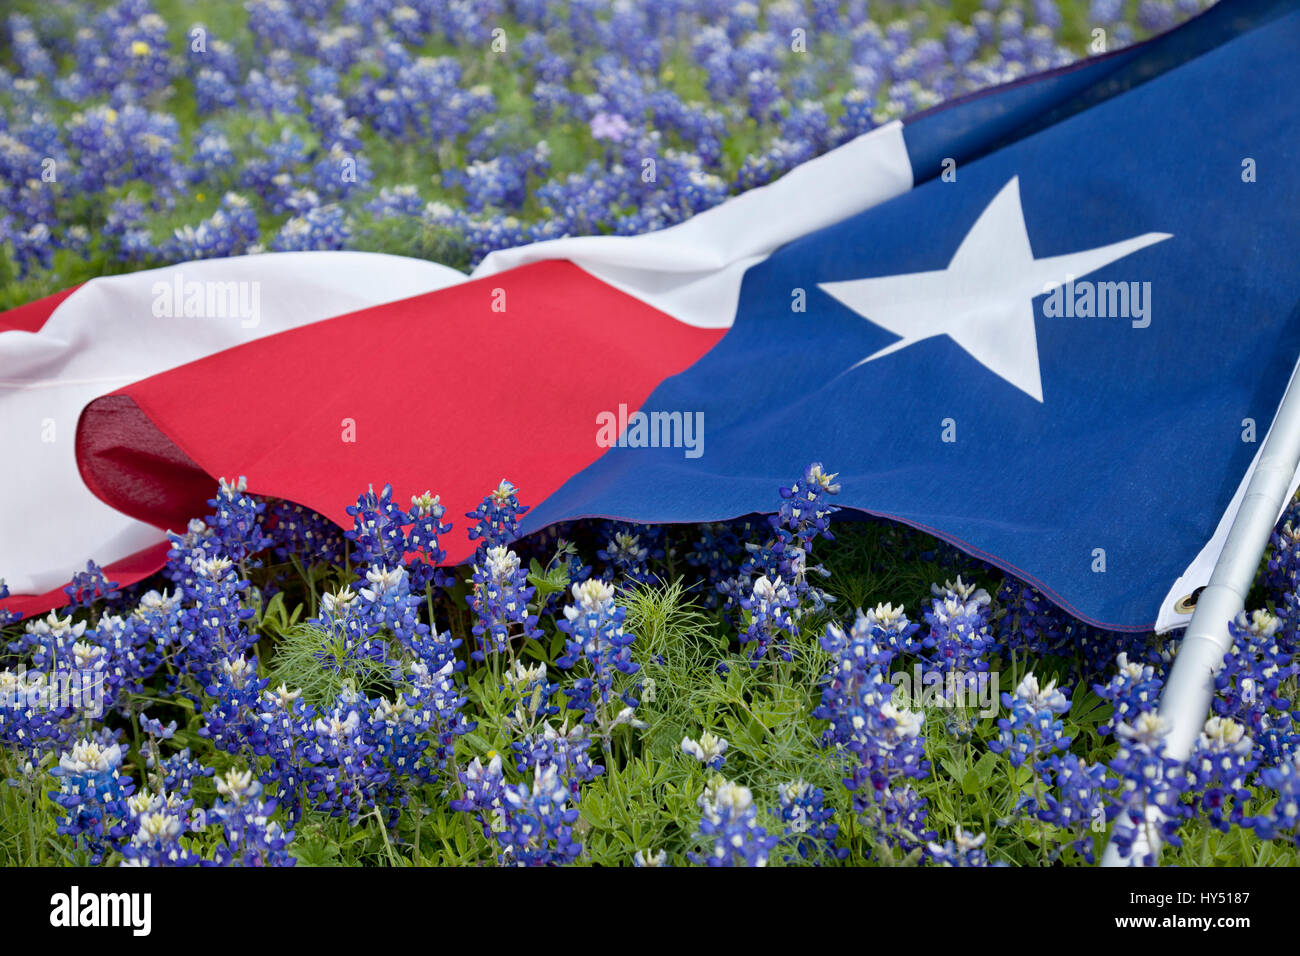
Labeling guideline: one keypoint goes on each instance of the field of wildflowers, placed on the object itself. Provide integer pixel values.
(802, 688)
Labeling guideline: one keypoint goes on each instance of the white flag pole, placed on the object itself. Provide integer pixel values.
(1190, 688)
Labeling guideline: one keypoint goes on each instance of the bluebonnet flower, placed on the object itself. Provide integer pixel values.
(234, 691)
(708, 750)
(769, 608)
(500, 599)
(809, 829)
(33, 60)
(538, 822)
(800, 520)
(390, 606)
(1282, 572)
(729, 821)
(1029, 625)
(7, 617)
(960, 633)
(1251, 680)
(497, 517)
(610, 126)
(531, 694)
(593, 624)
(647, 858)
(270, 95)
(565, 748)
(213, 620)
(32, 721)
(396, 201)
(342, 776)
(272, 174)
(89, 587)
(1283, 818)
(350, 632)
(718, 554)
(1075, 796)
(427, 526)
(214, 90)
(1133, 691)
(1034, 728)
(1221, 762)
(324, 227)
(236, 523)
(964, 849)
(483, 789)
(252, 838)
(281, 720)
(1152, 786)
(882, 741)
(156, 836)
(628, 552)
(434, 690)
(93, 794)
(341, 171)
(378, 530)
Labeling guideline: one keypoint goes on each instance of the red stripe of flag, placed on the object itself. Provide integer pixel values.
(446, 395)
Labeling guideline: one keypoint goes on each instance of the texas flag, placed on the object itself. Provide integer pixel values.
(1050, 323)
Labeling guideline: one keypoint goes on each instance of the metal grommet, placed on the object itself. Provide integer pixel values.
(1187, 603)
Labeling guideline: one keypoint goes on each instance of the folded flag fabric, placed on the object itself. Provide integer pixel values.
(1049, 323)
(61, 352)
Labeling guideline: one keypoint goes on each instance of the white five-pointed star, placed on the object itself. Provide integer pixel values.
(983, 301)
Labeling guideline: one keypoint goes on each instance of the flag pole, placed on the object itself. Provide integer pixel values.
(1190, 688)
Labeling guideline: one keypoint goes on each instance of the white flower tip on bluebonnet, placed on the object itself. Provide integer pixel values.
(382, 580)
(792, 791)
(142, 801)
(237, 785)
(504, 489)
(521, 675)
(1131, 669)
(338, 728)
(962, 592)
(818, 477)
(731, 800)
(230, 489)
(54, 627)
(156, 826)
(1041, 697)
(427, 504)
(1149, 729)
(590, 597)
(86, 656)
(647, 858)
(214, 569)
(154, 602)
(907, 723)
(501, 563)
(89, 756)
(238, 669)
(770, 591)
(1225, 734)
(707, 749)
(1259, 623)
(282, 697)
(339, 602)
(885, 616)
